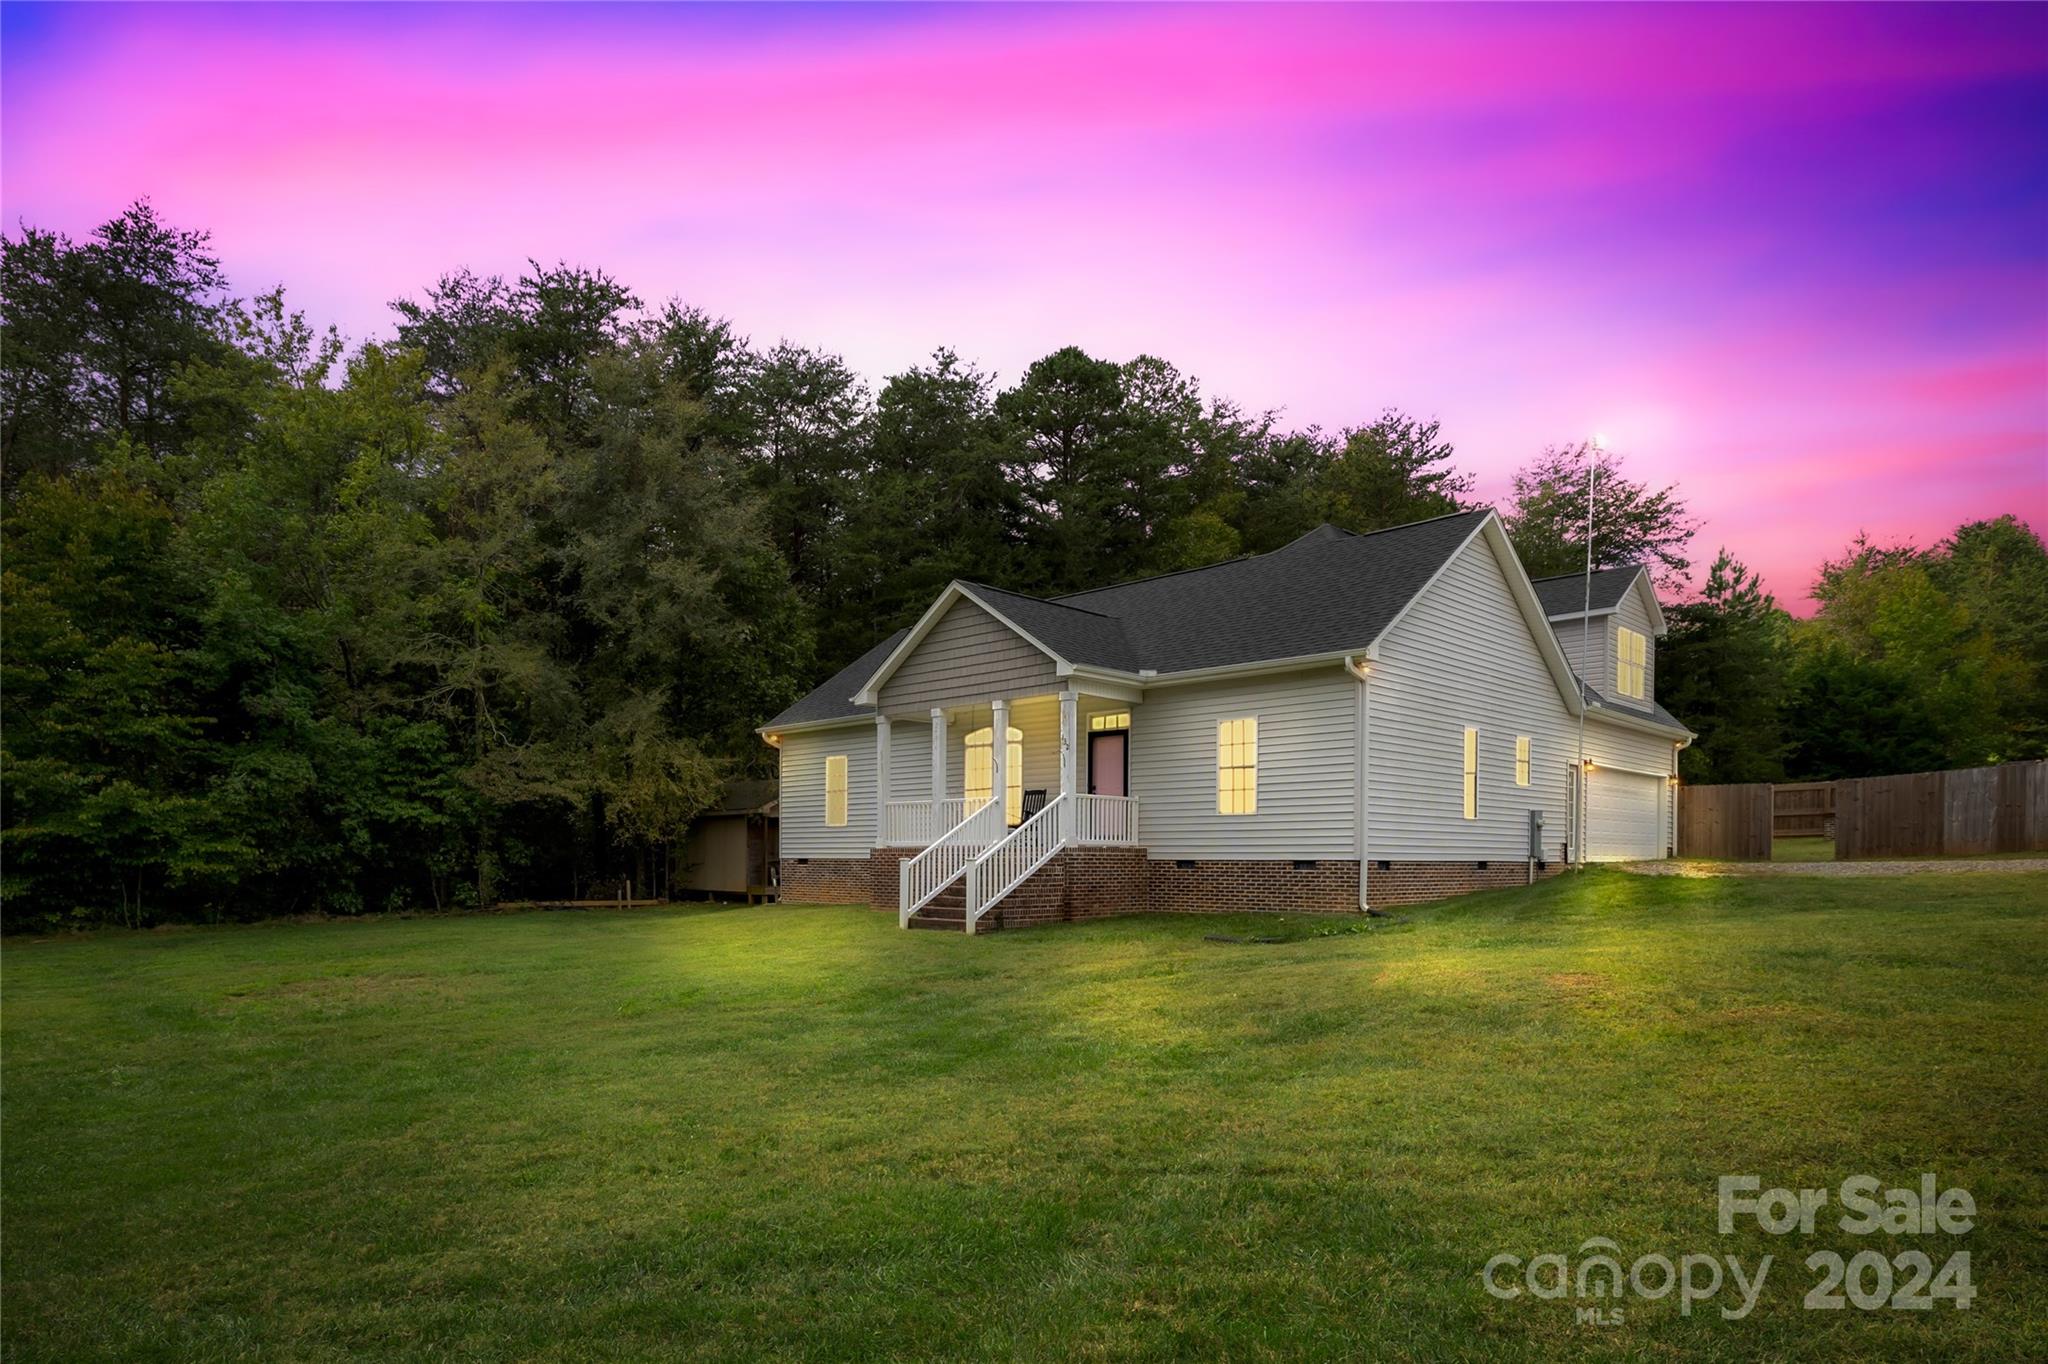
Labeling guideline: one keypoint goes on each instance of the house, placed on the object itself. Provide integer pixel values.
(730, 849)
(1349, 720)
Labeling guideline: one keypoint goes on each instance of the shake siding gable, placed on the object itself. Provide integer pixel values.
(804, 832)
(967, 657)
(1306, 743)
(1464, 656)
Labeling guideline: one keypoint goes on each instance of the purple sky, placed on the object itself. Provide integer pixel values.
(1794, 258)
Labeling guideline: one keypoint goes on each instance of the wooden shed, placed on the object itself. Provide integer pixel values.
(731, 848)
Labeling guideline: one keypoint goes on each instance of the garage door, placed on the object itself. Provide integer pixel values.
(1624, 816)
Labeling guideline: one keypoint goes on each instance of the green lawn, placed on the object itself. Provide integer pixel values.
(798, 1132)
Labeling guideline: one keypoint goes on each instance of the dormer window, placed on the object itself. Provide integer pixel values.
(1630, 653)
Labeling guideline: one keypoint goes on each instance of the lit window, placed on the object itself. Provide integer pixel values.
(1628, 662)
(1237, 767)
(981, 771)
(1120, 720)
(1522, 760)
(1471, 774)
(835, 791)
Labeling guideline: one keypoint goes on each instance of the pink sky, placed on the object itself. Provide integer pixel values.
(1795, 259)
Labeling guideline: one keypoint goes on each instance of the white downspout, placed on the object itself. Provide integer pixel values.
(1361, 768)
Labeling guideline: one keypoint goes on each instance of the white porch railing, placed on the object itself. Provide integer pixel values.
(994, 862)
(1105, 819)
(921, 877)
(917, 824)
(1006, 865)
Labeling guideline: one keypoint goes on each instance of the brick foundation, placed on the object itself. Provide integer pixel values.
(885, 875)
(1095, 883)
(1415, 883)
(828, 881)
(1324, 887)
(1080, 883)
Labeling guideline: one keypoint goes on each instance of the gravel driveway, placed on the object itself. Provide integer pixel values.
(1913, 868)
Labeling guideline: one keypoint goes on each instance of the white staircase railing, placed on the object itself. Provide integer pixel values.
(1106, 819)
(920, 823)
(921, 877)
(1008, 864)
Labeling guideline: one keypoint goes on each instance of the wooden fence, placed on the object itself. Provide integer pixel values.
(1933, 814)
(1803, 809)
(1972, 810)
(1725, 821)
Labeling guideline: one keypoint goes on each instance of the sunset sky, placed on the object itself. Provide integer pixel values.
(1794, 259)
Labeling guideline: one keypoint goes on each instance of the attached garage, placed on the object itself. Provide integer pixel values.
(1624, 816)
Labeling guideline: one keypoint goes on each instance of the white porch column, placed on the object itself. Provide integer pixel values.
(1070, 760)
(938, 764)
(881, 781)
(999, 760)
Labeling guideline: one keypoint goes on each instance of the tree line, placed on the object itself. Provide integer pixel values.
(491, 609)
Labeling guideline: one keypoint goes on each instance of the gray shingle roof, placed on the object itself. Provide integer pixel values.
(1328, 591)
(834, 699)
(1656, 712)
(746, 796)
(1074, 632)
(1565, 595)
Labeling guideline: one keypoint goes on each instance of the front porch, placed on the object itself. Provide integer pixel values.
(1007, 785)
(935, 770)
(1099, 821)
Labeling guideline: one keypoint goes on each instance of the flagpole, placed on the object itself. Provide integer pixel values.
(1585, 655)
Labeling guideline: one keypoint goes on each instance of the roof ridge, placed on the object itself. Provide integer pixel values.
(1065, 598)
(1580, 572)
(1042, 601)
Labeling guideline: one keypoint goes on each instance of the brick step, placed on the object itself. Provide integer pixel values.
(954, 919)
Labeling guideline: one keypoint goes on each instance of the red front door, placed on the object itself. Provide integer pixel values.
(1108, 774)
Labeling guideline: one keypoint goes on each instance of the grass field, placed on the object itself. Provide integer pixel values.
(797, 1132)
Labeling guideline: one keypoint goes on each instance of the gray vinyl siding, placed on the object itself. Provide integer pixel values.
(1589, 645)
(1465, 655)
(802, 795)
(968, 656)
(1635, 616)
(910, 760)
(1307, 746)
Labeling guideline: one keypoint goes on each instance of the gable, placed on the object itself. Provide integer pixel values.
(965, 654)
(1495, 595)
(1567, 596)
(1327, 594)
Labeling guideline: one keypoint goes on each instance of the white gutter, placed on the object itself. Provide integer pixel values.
(772, 732)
